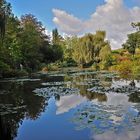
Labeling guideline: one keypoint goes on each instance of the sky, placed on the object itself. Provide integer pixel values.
(76, 17)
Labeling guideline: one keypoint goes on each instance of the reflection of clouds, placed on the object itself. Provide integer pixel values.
(114, 99)
(124, 135)
(68, 102)
(117, 99)
(116, 104)
(116, 119)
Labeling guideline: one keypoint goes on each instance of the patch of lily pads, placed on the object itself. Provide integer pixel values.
(84, 73)
(48, 92)
(101, 119)
(6, 109)
(109, 75)
(88, 82)
(20, 80)
(56, 83)
(127, 89)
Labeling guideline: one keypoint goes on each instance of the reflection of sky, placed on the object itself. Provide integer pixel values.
(68, 102)
(115, 100)
(115, 104)
(124, 135)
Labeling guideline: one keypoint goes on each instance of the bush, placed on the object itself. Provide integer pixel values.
(4, 68)
(136, 68)
(51, 67)
(69, 63)
(125, 67)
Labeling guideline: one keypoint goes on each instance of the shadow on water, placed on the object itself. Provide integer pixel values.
(5, 130)
(16, 103)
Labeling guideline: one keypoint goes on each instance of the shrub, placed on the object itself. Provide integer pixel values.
(125, 67)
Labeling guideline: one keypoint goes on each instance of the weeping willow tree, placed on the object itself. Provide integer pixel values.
(87, 49)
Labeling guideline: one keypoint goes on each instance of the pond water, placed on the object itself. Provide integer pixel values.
(84, 105)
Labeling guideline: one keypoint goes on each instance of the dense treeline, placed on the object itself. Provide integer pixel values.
(24, 44)
(25, 47)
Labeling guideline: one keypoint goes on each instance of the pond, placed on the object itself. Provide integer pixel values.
(83, 105)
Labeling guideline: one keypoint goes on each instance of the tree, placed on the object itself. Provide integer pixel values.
(87, 48)
(133, 40)
(5, 10)
(56, 38)
(32, 40)
(132, 43)
(136, 25)
(105, 52)
(11, 45)
(57, 42)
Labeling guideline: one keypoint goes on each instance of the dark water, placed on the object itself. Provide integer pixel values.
(73, 106)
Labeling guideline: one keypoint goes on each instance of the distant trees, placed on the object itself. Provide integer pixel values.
(57, 42)
(133, 40)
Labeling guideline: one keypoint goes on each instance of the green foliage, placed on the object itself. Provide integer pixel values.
(52, 67)
(136, 68)
(86, 49)
(133, 40)
(25, 47)
(69, 63)
(136, 25)
(4, 68)
(56, 38)
(125, 67)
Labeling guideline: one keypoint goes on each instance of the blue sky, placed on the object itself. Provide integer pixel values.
(43, 8)
(76, 17)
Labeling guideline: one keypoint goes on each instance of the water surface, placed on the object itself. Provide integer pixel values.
(84, 105)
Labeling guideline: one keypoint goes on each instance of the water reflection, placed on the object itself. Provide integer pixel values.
(124, 135)
(68, 102)
(5, 130)
(16, 103)
(111, 108)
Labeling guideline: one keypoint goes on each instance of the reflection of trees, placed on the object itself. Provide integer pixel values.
(5, 131)
(134, 97)
(19, 102)
(85, 81)
(132, 83)
(34, 104)
(80, 79)
(93, 96)
(90, 78)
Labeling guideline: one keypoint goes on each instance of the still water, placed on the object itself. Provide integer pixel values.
(82, 105)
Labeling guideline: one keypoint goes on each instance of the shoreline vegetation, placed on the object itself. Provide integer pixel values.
(25, 49)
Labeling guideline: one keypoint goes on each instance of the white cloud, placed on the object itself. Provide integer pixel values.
(113, 16)
(67, 23)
